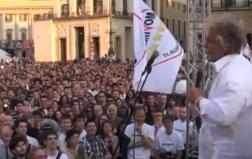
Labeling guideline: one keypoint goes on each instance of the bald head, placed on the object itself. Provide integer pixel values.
(5, 134)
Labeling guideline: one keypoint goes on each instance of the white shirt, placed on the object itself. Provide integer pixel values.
(82, 135)
(62, 156)
(180, 126)
(162, 128)
(62, 142)
(93, 92)
(32, 141)
(158, 131)
(227, 112)
(169, 143)
(140, 152)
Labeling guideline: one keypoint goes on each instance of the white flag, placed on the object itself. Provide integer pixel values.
(151, 34)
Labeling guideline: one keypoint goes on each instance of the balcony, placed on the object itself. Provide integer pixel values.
(86, 14)
(121, 14)
(38, 17)
(16, 44)
(231, 5)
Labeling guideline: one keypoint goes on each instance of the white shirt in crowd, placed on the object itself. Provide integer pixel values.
(62, 156)
(169, 143)
(93, 92)
(83, 134)
(180, 126)
(162, 128)
(227, 112)
(62, 142)
(32, 141)
(140, 152)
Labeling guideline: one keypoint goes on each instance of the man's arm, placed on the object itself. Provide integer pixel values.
(135, 145)
(148, 142)
(224, 107)
(145, 141)
(132, 144)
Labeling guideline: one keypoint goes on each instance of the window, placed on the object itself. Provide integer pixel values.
(173, 26)
(125, 7)
(98, 6)
(167, 3)
(153, 5)
(173, 4)
(178, 6)
(9, 34)
(8, 18)
(44, 16)
(37, 17)
(113, 6)
(185, 29)
(23, 17)
(184, 8)
(228, 3)
(178, 28)
(23, 32)
(81, 7)
(167, 23)
(65, 10)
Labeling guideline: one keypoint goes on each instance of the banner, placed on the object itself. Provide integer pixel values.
(150, 34)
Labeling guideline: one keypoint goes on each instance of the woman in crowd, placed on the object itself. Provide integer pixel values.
(72, 140)
(110, 140)
(101, 120)
(93, 143)
(19, 146)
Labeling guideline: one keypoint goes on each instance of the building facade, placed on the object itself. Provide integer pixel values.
(173, 14)
(242, 9)
(86, 29)
(16, 19)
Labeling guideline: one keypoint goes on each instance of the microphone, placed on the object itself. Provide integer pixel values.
(153, 57)
(199, 79)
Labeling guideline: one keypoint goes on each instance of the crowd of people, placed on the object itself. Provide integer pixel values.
(83, 109)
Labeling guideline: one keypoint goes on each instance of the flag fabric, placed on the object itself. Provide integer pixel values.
(150, 35)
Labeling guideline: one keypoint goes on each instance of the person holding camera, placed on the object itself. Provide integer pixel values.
(168, 144)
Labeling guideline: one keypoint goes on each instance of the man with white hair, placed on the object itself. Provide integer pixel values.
(227, 111)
